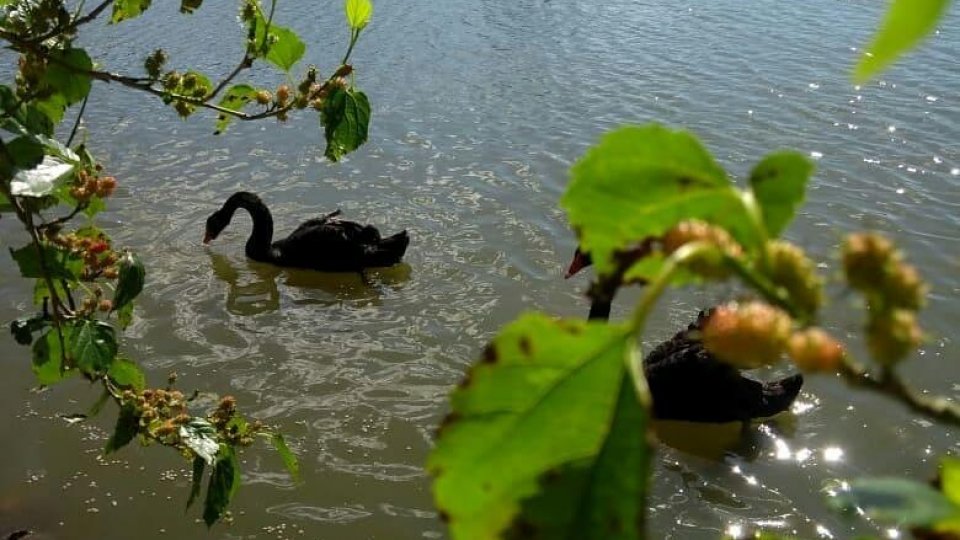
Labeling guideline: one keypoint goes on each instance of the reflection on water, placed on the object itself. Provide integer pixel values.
(744, 440)
(252, 287)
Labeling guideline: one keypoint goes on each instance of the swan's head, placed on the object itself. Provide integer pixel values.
(580, 261)
(216, 223)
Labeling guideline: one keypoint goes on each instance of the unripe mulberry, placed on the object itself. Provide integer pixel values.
(172, 81)
(815, 350)
(264, 97)
(865, 260)
(183, 108)
(105, 305)
(747, 335)
(791, 269)
(904, 288)
(283, 94)
(190, 81)
(891, 335)
(708, 265)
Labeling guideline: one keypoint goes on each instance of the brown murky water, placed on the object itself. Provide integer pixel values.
(479, 109)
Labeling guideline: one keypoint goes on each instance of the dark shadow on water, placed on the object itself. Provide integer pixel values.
(255, 288)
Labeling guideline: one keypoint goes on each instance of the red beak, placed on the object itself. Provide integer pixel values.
(579, 262)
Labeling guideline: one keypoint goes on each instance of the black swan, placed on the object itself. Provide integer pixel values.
(688, 383)
(326, 243)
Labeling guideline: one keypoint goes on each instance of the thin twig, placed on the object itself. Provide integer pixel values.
(76, 124)
(890, 384)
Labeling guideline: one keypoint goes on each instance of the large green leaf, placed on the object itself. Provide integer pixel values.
(779, 183)
(906, 23)
(66, 74)
(92, 345)
(543, 396)
(358, 13)
(42, 179)
(60, 263)
(128, 9)
(896, 501)
(235, 99)
(346, 119)
(601, 497)
(27, 152)
(224, 481)
(198, 466)
(641, 181)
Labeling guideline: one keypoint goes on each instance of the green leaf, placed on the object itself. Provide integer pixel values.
(92, 345)
(641, 181)
(543, 396)
(358, 13)
(200, 436)
(896, 501)
(48, 359)
(24, 327)
(235, 99)
(906, 23)
(128, 9)
(281, 47)
(52, 108)
(98, 405)
(198, 466)
(950, 478)
(5, 205)
(288, 48)
(128, 423)
(130, 278)
(125, 316)
(224, 481)
(41, 293)
(603, 497)
(779, 184)
(288, 457)
(60, 263)
(346, 119)
(65, 74)
(26, 151)
(125, 373)
(41, 180)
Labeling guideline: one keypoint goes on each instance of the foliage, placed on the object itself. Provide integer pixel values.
(85, 288)
(547, 434)
(906, 23)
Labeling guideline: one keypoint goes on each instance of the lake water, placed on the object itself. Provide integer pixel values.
(480, 107)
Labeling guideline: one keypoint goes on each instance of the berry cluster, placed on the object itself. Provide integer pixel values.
(707, 265)
(894, 292)
(231, 426)
(87, 186)
(99, 259)
(160, 413)
(754, 334)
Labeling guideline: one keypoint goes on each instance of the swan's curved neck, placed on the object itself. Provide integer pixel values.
(258, 245)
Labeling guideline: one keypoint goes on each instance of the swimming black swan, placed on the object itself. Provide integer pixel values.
(688, 383)
(325, 243)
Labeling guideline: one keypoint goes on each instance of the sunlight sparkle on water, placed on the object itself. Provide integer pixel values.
(832, 453)
(824, 532)
(955, 171)
(892, 129)
(816, 155)
(783, 451)
(803, 454)
(893, 533)
(735, 530)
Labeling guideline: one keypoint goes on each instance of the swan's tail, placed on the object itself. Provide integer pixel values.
(778, 395)
(389, 250)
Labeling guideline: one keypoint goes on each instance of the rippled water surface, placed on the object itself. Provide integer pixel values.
(479, 109)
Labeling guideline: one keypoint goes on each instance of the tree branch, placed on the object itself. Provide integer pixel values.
(890, 384)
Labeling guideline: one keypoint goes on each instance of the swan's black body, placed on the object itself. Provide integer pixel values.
(326, 243)
(688, 383)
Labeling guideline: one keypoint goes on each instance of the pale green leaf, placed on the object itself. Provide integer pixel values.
(200, 436)
(289, 458)
(358, 13)
(950, 478)
(779, 184)
(638, 182)
(128, 9)
(235, 99)
(346, 121)
(896, 501)
(907, 22)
